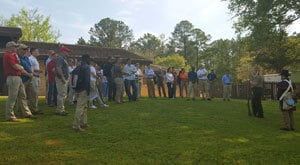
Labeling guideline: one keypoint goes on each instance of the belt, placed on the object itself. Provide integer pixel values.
(36, 75)
(12, 75)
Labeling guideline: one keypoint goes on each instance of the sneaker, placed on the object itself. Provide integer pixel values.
(64, 113)
(104, 105)
(93, 107)
(39, 112)
(13, 120)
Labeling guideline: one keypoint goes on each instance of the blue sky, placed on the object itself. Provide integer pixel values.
(74, 18)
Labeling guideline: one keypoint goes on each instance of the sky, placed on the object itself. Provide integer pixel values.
(74, 18)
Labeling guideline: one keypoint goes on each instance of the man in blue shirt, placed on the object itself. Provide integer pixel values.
(192, 79)
(226, 80)
(211, 83)
(129, 78)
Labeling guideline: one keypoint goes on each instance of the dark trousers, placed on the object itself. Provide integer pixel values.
(161, 88)
(257, 108)
(170, 90)
(131, 83)
(111, 89)
(52, 94)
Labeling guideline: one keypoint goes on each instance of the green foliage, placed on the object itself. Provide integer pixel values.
(35, 26)
(160, 131)
(111, 34)
(148, 45)
(81, 41)
(173, 60)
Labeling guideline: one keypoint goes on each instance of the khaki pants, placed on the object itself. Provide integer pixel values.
(150, 86)
(203, 88)
(71, 94)
(32, 92)
(226, 92)
(62, 90)
(288, 118)
(80, 118)
(16, 91)
(119, 82)
(192, 87)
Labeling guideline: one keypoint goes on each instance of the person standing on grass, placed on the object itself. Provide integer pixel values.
(226, 80)
(71, 91)
(256, 83)
(211, 77)
(288, 114)
(175, 81)
(13, 71)
(202, 82)
(192, 79)
(52, 92)
(117, 74)
(183, 82)
(139, 79)
(110, 82)
(61, 79)
(35, 81)
(129, 77)
(160, 82)
(150, 75)
(82, 90)
(170, 82)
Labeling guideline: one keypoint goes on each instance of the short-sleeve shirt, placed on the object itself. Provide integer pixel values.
(149, 73)
(51, 74)
(25, 62)
(9, 60)
(202, 72)
(130, 69)
(93, 72)
(62, 63)
(35, 64)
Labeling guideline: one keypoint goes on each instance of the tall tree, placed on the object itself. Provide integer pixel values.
(81, 41)
(35, 26)
(200, 40)
(110, 33)
(181, 36)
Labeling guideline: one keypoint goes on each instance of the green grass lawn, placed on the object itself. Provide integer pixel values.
(153, 131)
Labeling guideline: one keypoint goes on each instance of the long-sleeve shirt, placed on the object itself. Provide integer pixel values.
(149, 73)
(192, 76)
(25, 62)
(226, 79)
(169, 78)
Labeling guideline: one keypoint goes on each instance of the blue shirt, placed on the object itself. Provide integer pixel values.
(226, 79)
(24, 61)
(192, 76)
(131, 69)
(149, 73)
(211, 76)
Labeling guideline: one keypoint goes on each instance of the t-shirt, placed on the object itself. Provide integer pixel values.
(183, 76)
(51, 74)
(62, 63)
(93, 72)
(35, 65)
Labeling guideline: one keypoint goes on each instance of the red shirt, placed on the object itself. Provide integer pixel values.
(51, 74)
(9, 60)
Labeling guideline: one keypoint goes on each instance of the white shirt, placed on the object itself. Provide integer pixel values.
(93, 72)
(139, 73)
(202, 74)
(34, 64)
(169, 78)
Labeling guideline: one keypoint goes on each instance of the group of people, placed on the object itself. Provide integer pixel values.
(22, 73)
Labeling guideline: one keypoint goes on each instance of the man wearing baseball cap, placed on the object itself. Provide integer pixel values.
(13, 71)
(62, 75)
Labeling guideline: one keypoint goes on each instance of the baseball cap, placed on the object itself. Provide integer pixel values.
(11, 44)
(23, 46)
(64, 49)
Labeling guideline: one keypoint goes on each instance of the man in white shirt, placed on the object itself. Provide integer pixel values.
(129, 78)
(202, 82)
(35, 80)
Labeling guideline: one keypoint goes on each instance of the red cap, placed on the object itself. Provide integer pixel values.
(64, 49)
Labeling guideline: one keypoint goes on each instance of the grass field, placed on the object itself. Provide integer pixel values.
(153, 131)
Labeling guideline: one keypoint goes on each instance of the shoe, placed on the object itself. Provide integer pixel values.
(13, 120)
(39, 112)
(187, 99)
(84, 126)
(64, 113)
(209, 99)
(104, 105)
(284, 129)
(31, 117)
(78, 129)
(292, 129)
(51, 105)
(93, 107)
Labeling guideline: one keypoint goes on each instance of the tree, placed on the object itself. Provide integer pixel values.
(35, 26)
(265, 23)
(174, 60)
(200, 40)
(81, 41)
(148, 45)
(181, 36)
(110, 33)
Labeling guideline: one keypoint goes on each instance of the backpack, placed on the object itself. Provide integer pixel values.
(75, 77)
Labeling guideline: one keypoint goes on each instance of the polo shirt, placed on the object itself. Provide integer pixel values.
(24, 61)
(61, 62)
(9, 60)
(226, 79)
(202, 72)
(192, 76)
(130, 69)
(51, 74)
(149, 73)
(35, 65)
(183, 76)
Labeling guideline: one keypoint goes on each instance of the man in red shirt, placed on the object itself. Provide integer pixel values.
(16, 90)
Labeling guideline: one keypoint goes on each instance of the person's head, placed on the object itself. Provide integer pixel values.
(255, 71)
(52, 55)
(137, 65)
(34, 51)
(284, 74)
(148, 66)
(182, 70)
(201, 66)
(193, 68)
(212, 71)
(71, 62)
(22, 49)
(92, 62)
(64, 50)
(12, 46)
(169, 70)
(128, 61)
(85, 58)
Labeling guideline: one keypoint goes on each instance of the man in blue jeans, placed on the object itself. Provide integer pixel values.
(129, 79)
